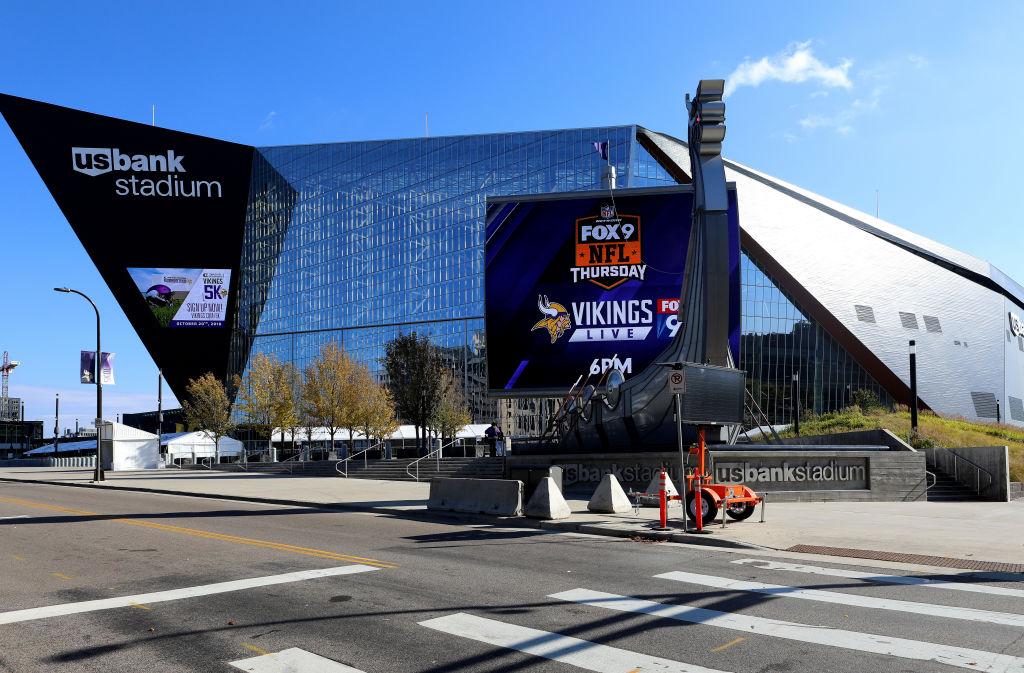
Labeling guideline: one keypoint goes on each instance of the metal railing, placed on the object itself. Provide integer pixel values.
(337, 466)
(758, 417)
(953, 464)
(437, 460)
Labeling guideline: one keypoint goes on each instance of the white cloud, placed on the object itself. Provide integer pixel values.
(842, 121)
(918, 62)
(268, 121)
(795, 64)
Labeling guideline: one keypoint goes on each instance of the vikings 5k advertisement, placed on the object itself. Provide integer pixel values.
(579, 285)
(185, 297)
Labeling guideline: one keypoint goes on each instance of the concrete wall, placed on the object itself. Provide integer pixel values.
(994, 459)
(885, 475)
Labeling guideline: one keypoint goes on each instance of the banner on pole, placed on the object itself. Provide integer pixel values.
(88, 368)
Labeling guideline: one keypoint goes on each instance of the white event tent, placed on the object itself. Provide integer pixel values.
(198, 444)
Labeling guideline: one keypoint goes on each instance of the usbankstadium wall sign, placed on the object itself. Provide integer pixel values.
(162, 215)
(577, 284)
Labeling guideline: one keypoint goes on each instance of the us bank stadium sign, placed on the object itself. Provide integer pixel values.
(160, 175)
(793, 474)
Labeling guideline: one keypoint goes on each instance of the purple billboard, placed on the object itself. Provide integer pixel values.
(576, 285)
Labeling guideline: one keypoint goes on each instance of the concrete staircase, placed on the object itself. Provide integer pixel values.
(389, 470)
(948, 490)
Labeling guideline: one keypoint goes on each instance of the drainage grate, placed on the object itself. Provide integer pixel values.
(908, 320)
(864, 313)
(984, 404)
(915, 559)
(1016, 408)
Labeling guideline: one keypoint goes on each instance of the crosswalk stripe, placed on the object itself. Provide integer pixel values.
(554, 646)
(875, 577)
(975, 660)
(848, 599)
(176, 594)
(291, 660)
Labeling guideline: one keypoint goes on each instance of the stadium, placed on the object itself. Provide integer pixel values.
(357, 242)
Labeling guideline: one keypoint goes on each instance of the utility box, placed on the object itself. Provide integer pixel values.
(532, 476)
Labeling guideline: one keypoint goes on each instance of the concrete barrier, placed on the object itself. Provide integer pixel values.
(500, 497)
(610, 498)
(655, 486)
(547, 502)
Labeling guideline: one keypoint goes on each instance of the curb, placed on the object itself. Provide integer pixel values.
(433, 514)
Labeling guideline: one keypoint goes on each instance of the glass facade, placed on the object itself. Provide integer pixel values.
(357, 243)
(778, 341)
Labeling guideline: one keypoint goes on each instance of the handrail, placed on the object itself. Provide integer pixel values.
(437, 458)
(337, 465)
(243, 459)
(978, 470)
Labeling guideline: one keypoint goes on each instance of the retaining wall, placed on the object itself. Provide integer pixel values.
(877, 473)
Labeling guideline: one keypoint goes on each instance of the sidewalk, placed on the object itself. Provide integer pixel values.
(967, 535)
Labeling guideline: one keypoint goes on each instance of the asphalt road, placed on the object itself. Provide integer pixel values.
(156, 583)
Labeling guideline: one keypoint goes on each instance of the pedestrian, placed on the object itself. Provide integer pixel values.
(491, 437)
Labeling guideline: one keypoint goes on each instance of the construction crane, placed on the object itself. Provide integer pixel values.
(6, 414)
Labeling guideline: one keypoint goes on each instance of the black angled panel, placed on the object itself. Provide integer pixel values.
(139, 196)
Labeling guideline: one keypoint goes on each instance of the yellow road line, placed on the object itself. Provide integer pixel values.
(729, 644)
(139, 605)
(319, 553)
(62, 576)
(256, 649)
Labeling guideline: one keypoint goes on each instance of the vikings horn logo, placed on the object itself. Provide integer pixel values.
(556, 318)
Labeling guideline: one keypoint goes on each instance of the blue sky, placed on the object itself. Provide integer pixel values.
(918, 102)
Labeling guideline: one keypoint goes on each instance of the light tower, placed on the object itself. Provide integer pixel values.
(5, 402)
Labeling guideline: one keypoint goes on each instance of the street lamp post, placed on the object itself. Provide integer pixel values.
(97, 376)
(913, 386)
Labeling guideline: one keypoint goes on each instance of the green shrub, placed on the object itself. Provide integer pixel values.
(866, 400)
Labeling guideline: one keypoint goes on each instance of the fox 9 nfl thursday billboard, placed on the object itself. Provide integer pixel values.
(577, 284)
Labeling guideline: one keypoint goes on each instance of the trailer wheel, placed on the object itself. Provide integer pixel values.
(709, 510)
(740, 511)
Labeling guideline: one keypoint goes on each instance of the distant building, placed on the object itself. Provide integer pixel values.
(10, 408)
(174, 421)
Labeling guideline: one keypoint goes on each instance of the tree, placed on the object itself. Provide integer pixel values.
(265, 396)
(451, 413)
(326, 389)
(378, 420)
(208, 409)
(412, 362)
(361, 386)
